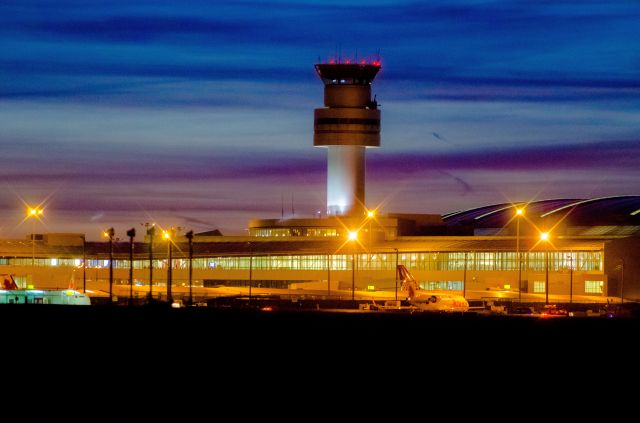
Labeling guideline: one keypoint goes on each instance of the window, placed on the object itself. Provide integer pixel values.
(442, 285)
(593, 287)
(347, 121)
(538, 286)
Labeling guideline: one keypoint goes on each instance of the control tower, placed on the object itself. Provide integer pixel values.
(348, 123)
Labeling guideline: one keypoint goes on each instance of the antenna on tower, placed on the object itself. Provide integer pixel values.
(282, 210)
(293, 213)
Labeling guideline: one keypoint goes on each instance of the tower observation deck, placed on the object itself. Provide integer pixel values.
(348, 123)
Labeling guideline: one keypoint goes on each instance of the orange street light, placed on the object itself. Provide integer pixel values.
(32, 212)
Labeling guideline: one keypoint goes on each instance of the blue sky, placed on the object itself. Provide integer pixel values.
(199, 113)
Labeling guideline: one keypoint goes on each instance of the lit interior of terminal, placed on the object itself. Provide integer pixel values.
(588, 267)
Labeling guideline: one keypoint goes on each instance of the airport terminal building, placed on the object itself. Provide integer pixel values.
(592, 251)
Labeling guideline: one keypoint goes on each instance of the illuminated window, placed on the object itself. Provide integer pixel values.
(54, 262)
(538, 286)
(347, 121)
(593, 287)
(442, 285)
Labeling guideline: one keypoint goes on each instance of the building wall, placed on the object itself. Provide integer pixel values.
(493, 270)
(479, 283)
(622, 260)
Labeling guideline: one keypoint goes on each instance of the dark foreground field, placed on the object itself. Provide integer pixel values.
(161, 358)
(209, 336)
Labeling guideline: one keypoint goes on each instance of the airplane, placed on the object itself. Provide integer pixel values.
(10, 293)
(429, 300)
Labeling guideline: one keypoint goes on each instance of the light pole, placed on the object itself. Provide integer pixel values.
(570, 278)
(544, 236)
(84, 264)
(189, 236)
(546, 277)
(371, 214)
(519, 213)
(250, 270)
(168, 235)
(328, 275)
(33, 213)
(353, 276)
(151, 232)
(396, 273)
(464, 276)
(109, 233)
(353, 237)
(621, 281)
(131, 233)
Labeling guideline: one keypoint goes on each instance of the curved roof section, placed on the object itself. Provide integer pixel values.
(617, 211)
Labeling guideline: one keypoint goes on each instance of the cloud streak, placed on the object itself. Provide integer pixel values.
(159, 166)
(604, 155)
(532, 47)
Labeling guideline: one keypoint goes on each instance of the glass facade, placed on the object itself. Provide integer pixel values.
(442, 285)
(593, 287)
(293, 232)
(538, 287)
(581, 261)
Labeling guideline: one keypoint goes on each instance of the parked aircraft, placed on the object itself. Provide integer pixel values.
(11, 294)
(429, 300)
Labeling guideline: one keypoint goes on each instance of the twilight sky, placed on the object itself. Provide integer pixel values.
(199, 114)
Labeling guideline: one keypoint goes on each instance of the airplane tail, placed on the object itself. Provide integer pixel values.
(72, 281)
(409, 283)
(8, 283)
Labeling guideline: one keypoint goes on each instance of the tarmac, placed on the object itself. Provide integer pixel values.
(159, 360)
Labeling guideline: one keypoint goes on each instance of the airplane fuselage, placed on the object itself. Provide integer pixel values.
(436, 301)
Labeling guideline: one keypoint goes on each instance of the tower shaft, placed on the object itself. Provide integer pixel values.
(345, 179)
